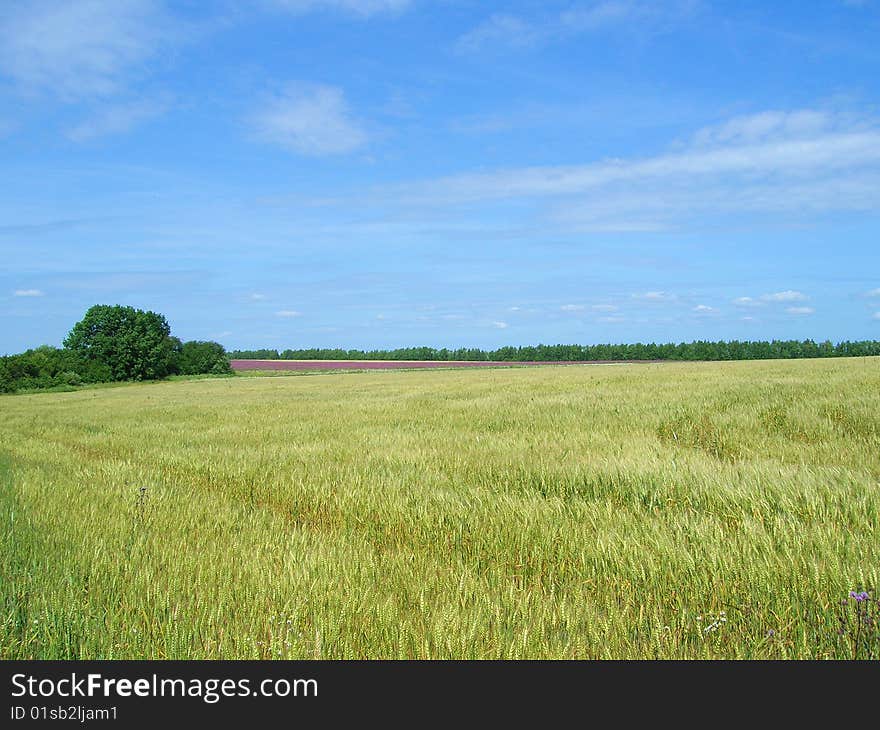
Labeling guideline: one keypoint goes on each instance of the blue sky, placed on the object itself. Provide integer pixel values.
(382, 173)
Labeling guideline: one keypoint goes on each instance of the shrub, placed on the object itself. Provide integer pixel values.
(200, 358)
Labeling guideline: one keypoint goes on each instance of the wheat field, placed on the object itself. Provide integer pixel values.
(677, 510)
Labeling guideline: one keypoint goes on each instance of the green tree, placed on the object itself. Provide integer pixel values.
(200, 358)
(132, 343)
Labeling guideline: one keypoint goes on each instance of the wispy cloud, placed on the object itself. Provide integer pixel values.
(80, 49)
(772, 124)
(361, 8)
(785, 296)
(604, 308)
(310, 120)
(117, 119)
(655, 296)
(257, 297)
(288, 313)
(500, 325)
(828, 152)
(800, 310)
(573, 307)
(874, 293)
(505, 31)
(704, 309)
(876, 315)
(747, 302)
(62, 224)
(638, 15)
(801, 162)
(501, 29)
(797, 171)
(28, 293)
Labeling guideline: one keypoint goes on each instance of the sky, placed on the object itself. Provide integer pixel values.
(390, 173)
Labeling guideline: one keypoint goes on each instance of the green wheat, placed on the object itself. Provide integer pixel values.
(557, 512)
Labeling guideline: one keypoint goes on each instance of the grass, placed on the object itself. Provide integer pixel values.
(679, 510)
(115, 384)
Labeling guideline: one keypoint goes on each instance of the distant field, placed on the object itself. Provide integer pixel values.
(677, 510)
(241, 365)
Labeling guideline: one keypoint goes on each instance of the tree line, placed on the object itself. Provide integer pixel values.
(698, 350)
(112, 343)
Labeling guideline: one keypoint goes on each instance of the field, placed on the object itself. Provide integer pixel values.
(245, 365)
(679, 510)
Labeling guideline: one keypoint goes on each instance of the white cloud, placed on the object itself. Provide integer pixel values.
(801, 123)
(874, 293)
(716, 184)
(310, 120)
(785, 296)
(82, 48)
(257, 297)
(825, 153)
(876, 315)
(363, 8)
(704, 309)
(500, 325)
(610, 320)
(28, 293)
(288, 313)
(604, 308)
(807, 162)
(656, 296)
(601, 15)
(500, 29)
(117, 119)
(572, 307)
(746, 302)
(788, 295)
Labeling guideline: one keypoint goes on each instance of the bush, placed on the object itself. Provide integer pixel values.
(201, 358)
(42, 367)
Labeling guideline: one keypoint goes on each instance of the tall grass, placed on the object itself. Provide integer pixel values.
(673, 510)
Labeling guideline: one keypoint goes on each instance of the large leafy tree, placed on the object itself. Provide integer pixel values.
(132, 343)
